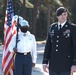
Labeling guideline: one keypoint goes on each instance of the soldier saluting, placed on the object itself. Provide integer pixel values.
(60, 48)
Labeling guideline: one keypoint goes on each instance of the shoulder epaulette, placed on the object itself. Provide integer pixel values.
(53, 24)
(73, 24)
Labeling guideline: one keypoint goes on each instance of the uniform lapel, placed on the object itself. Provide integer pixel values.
(56, 29)
(65, 27)
(58, 32)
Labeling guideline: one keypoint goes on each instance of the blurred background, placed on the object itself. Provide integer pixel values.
(39, 13)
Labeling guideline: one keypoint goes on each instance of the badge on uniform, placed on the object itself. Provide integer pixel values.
(24, 34)
(66, 25)
(52, 33)
(67, 33)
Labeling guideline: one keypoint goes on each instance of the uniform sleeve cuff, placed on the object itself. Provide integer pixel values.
(74, 62)
(45, 62)
(11, 49)
(34, 59)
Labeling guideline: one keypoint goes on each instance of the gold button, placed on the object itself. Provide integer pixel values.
(56, 50)
(57, 36)
(69, 56)
(56, 45)
(57, 41)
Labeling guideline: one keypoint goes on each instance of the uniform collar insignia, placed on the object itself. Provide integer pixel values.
(55, 25)
(66, 25)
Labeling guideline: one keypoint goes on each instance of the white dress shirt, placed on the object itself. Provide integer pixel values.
(62, 24)
(26, 43)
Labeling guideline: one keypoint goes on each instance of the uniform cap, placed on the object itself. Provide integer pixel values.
(15, 17)
(60, 10)
(20, 19)
(24, 23)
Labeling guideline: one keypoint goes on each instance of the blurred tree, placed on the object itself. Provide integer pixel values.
(35, 10)
(41, 26)
(3, 5)
(24, 9)
(73, 10)
(49, 7)
(39, 13)
(22, 5)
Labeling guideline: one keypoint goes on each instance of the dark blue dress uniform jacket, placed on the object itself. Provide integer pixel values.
(60, 48)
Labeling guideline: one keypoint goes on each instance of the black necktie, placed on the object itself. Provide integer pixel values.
(59, 27)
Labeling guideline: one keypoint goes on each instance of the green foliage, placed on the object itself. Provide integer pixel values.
(73, 10)
(1, 31)
(41, 24)
(1, 20)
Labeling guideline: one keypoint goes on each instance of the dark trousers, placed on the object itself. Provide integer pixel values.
(23, 64)
(59, 73)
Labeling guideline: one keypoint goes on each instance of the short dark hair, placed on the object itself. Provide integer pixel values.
(60, 10)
